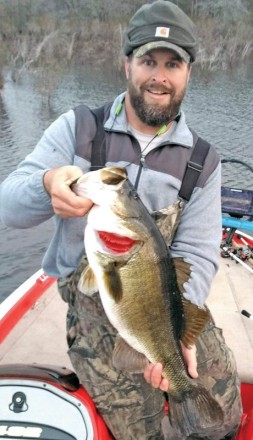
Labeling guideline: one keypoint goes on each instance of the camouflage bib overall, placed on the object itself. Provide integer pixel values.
(130, 407)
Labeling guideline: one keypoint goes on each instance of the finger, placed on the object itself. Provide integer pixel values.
(190, 358)
(65, 195)
(53, 178)
(164, 385)
(147, 372)
(192, 369)
(192, 365)
(76, 202)
(66, 211)
(156, 375)
(70, 213)
(153, 375)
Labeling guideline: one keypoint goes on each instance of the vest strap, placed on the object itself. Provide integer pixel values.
(194, 168)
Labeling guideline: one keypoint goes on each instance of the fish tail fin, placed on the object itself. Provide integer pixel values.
(195, 412)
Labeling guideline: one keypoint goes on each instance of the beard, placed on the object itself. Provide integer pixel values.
(155, 115)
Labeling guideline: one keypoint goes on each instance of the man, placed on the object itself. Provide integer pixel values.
(146, 132)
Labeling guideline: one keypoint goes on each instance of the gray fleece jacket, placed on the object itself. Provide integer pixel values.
(25, 203)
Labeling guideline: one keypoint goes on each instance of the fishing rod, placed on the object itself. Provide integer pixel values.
(227, 160)
(238, 260)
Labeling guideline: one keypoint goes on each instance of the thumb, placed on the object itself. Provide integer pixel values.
(190, 358)
(192, 368)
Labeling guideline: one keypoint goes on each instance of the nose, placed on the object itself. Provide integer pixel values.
(159, 75)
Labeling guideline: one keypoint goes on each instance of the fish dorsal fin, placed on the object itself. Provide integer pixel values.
(127, 358)
(183, 272)
(87, 283)
(112, 282)
(195, 318)
(113, 175)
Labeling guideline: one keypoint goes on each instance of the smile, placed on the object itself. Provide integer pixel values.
(157, 91)
(157, 94)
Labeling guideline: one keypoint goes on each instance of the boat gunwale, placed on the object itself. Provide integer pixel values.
(16, 305)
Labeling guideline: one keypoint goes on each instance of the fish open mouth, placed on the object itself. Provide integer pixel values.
(115, 242)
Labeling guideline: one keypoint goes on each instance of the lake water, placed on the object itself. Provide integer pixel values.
(219, 106)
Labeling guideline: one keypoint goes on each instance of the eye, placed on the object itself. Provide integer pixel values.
(147, 62)
(173, 64)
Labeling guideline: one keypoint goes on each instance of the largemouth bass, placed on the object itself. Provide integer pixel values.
(130, 265)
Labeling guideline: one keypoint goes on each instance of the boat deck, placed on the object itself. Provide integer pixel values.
(40, 336)
(232, 292)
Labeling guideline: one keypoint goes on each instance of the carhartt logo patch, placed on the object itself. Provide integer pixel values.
(162, 32)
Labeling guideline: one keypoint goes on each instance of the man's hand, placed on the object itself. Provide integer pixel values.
(153, 372)
(153, 375)
(65, 202)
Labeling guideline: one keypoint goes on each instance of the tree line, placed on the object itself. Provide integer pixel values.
(75, 32)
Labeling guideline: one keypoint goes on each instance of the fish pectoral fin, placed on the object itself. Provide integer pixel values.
(195, 318)
(127, 358)
(87, 283)
(183, 272)
(113, 282)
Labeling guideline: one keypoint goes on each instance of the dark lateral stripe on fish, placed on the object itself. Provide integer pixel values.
(116, 243)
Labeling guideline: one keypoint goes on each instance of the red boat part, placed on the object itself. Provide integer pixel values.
(246, 428)
(247, 397)
(15, 306)
(245, 431)
(38, 385)
(239, 238)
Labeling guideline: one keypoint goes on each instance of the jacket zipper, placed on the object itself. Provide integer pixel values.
(141, 167)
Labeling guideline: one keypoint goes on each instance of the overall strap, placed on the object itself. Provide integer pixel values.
(194, 168)
(98, 152)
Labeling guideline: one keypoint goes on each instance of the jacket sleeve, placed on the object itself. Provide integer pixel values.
(198, 238)
(23, 199)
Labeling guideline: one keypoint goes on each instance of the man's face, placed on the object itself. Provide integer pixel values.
(156, 85)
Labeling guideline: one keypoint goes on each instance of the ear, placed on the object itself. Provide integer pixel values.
(127, 67)
(189, 72)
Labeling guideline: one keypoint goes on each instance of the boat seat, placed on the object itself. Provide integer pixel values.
(236, 202)
(237, 209)
(231, 292)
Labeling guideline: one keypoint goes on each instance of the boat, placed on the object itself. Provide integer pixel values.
(38, 386)
(36, 375)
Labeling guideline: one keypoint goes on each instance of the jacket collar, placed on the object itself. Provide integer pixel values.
(180, 135)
